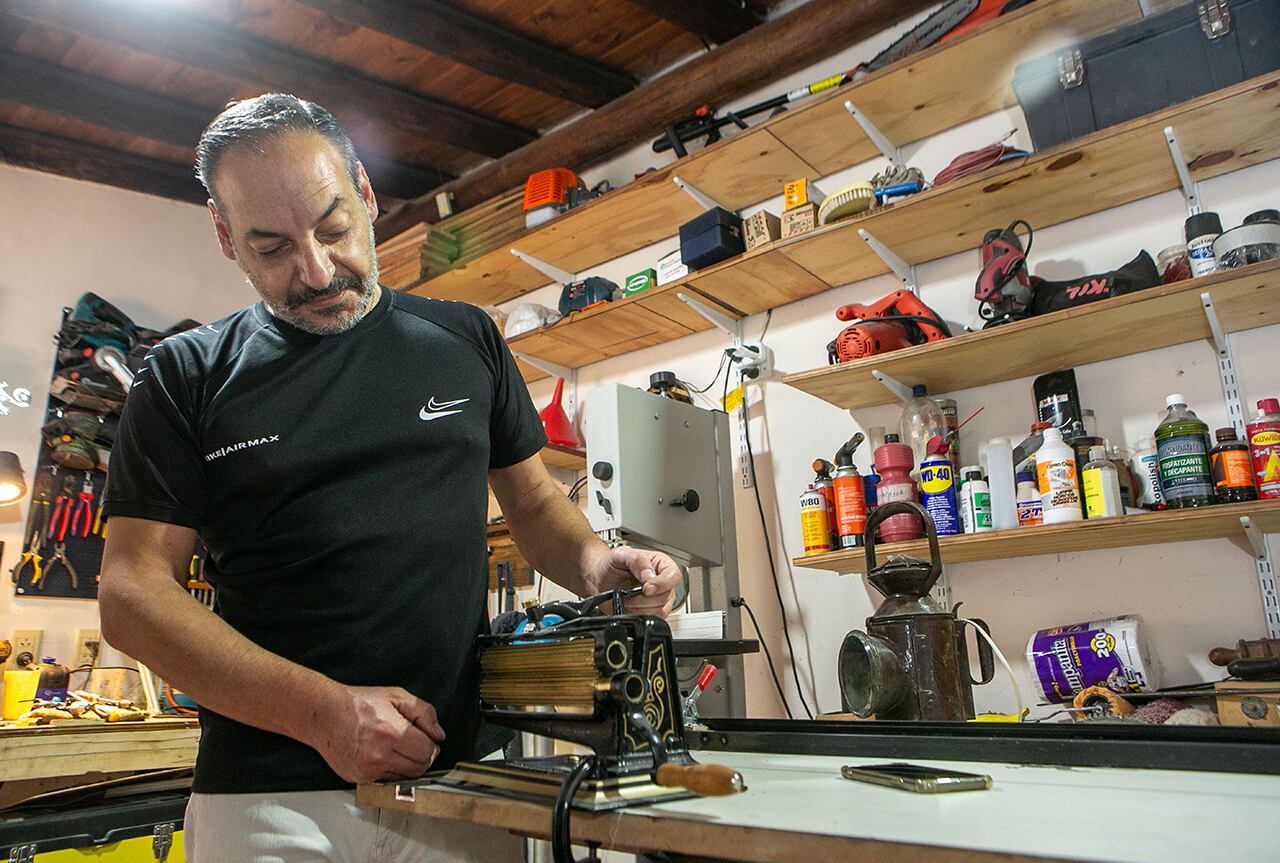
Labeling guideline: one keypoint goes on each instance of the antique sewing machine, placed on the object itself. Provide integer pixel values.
(605, 681)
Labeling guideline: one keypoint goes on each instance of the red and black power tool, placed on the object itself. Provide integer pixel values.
(899, 320)
(1003, 289)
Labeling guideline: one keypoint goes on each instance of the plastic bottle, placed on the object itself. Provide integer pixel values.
(1056, 476)
(1001, 479)
(1082, 443)
(951, 416)
(921, 421)
(975, 512)
(1101, 486)
(1201, 230)
(1263, 436)
(1120, 458)
(1182, 448)
(1057, 398)
(938, 488)
(1030, 511)
(1024, 454)
(815, 522)
(851, 499)
(1231, 469)
(1146, 475)
(894, 463)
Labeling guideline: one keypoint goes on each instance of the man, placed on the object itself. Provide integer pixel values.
(331, 446)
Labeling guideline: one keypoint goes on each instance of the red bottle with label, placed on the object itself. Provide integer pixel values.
(894, 462)
(1263, 437)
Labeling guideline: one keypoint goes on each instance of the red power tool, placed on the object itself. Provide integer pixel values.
(899, 320)
(1003, 289)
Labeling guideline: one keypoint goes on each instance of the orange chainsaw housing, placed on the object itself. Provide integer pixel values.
(548, 187)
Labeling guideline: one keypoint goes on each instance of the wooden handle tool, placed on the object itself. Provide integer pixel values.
(709, 780)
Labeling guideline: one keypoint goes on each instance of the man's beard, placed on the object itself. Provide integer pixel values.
(334, 319)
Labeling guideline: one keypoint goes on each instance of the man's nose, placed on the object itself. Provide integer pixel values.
(315, 270)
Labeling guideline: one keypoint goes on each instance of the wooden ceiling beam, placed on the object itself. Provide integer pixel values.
(780, 46)
(716, 21)
(80, 161)
(201, 44)
(447, 31)
(140, 113)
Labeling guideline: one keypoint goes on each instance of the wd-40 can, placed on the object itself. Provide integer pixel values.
(938, 488)
(851, 506)
(815, 521)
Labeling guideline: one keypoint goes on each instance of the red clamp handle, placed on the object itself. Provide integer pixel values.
(708, 673)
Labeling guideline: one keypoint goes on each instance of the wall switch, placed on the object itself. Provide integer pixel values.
(26, 646)
(85, 649)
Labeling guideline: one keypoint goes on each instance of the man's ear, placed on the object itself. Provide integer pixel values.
(366, 192)
(221, 229)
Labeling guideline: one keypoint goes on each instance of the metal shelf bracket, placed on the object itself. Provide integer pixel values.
(903, 270)
(1266, 575)
(1226, 365)
(887, 148)
(1189, 191)
(549, 270)
(569, 398)
(703, 199)
(722, 321)
(900, 391)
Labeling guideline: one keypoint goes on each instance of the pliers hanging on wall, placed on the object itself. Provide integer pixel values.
(60, 557)
(82, 518)
(30, 556)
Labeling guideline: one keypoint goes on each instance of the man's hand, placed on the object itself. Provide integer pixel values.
(377, 733)
(625, 567)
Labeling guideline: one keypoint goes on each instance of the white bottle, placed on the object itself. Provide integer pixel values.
(1101, 486)
(1056, 474)
(1004, 494)
(1030, 512)
(975, 505)
(1146, 473)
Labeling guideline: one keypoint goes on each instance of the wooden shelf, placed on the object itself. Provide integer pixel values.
(1110, 168)
(563, 457)
(929, 92)
(1153, 318)
(1153, 528)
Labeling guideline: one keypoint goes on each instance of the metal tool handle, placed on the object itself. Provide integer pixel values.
(904, 507)
(986, 659)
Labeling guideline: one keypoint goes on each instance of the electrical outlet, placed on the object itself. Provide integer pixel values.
(26, 642)
(85, 649)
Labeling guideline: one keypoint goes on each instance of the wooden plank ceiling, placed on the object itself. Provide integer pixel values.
(117, 91)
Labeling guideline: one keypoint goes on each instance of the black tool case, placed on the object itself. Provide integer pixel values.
(1147, 66)
(710, 238)
(100, 830)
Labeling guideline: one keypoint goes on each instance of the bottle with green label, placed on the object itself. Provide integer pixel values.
(1182, 448)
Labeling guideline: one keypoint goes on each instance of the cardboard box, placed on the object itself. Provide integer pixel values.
(799, 192)
(641, 281)
(671, 268)
(760, 228)
(800, 220)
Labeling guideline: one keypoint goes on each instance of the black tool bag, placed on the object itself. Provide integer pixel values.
(1049, 296)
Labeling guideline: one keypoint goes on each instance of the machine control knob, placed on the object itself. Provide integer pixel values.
(602, 471)
(689, 500)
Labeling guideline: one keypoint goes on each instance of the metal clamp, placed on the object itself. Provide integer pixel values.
(887, 148)
(903, 270)
(1189, 191)
(162, 841)
(1071, 69)
(1215, 18)
(22, 854)
(704, 200)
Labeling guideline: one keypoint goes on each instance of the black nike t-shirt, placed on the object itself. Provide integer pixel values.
(339, 483)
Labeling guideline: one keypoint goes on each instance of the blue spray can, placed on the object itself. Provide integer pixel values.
(938, 488)
(870, 480)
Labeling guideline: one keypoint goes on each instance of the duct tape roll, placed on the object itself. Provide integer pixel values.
(1066, 660)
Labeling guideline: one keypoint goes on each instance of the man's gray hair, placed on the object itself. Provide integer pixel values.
(254, 122)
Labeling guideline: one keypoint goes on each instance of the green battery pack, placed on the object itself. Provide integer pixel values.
(641, 281)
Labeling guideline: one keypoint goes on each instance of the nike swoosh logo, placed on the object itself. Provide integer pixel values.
(434, 410)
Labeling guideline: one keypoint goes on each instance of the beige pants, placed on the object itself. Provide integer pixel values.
(328, 827)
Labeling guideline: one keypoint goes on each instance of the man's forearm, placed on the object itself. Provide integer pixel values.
(158, 623)
(554, 536)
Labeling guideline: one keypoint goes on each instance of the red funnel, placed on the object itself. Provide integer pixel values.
(556, 422)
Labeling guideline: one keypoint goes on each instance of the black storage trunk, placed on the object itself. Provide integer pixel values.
(710, 238)
(1147, 66)
(92, 825)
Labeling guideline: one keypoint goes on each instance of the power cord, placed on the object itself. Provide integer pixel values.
(739, 602)
(773, 570)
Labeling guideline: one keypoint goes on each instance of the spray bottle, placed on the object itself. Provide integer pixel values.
(822, 485)
(1056, 472)
(871, 479)
(894, 461)
(850, 495)
(938, 487)
(1263, 436)
(815, 522)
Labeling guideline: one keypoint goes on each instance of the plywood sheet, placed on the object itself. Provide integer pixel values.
(760, 280)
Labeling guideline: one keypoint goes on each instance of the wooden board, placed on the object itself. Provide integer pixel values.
(1154, 318)
(942, 86)
(750, 166)
(564, 457)
(71, 750)
(1153, 528)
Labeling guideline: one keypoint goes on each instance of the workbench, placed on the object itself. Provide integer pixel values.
(797, 807)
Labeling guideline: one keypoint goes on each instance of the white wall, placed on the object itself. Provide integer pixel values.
(154, 258)
(1193, 596)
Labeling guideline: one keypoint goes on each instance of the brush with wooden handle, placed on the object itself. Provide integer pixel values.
(709, 780)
